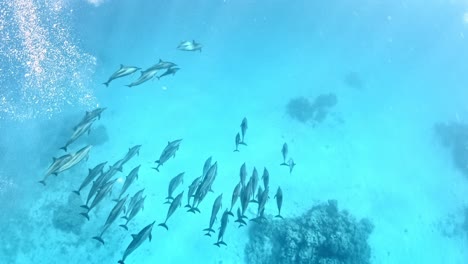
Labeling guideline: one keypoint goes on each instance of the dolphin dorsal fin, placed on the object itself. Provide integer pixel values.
(160, 60)
(54, 159)
(121, 66)
(134, 236)
(193, 41)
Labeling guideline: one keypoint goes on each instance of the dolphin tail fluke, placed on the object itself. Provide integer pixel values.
(253, 201)
(85, 215)
(98, 238)
(85, 207)
(230, 213)
(121, 262)
(284, 164)
(279, 216)
(220, 243)
(208, 234)
(236, 150)
(42, 182)
(124, 226)
(77, 192)
(164, 225)
(188, 206)
(64, 148)
(241, 222)
(106, 83)
(209, 230)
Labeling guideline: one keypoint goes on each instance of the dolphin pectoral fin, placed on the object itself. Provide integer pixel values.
(42, 182)
(150, 237)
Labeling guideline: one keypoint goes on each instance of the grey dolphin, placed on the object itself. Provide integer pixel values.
(144, 77)
(237, 141)
(244, 127)
(291, 165)
(92, 173)
(162, 65)
(206, 166)
(103, 191)
(53, 168)
(222, 229)
(174, 205)
(254, 183)
(75, 158)
(121, 72)
(214, 212)
(115, 212)
(240, 219)
(78, 132)
(138, 239)
(168, 152)
(190, 46)
(243, 174)
(279, 201)
(173, 184)
(192, 188)
(284, 152)
(235, 195)
(135, 150)
(129, 180)
(91, 116)
(169, 71)
(133, 211)
(266, 178)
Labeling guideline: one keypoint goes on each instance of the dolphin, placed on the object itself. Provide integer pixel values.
(190, 46)
(129, 180)
(91, 175)
(237, 141)
(78, 132)
(266, 178)
(115, 212)
(144, 77)
(169, 71)
(103, 191)
(54, 167)
(240, 219)
(244, 127)
(192, 188)
(284, 151)
(216, 206)
(75, 158)
(138, 239)
(235, 196)
(162, 65)
(291, 165)
(254, 183)
(222, 229)
(279, 201)
(243, 174)
(135, 150)
(123, 71)
(91, 116)
(176, 181)
(174, 205)
(133, 211)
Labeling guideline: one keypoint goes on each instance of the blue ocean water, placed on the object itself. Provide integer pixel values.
(390, 146)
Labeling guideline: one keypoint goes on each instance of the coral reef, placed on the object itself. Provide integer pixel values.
(455, 137)
(303, 110)
(66, 217)
(323, 235)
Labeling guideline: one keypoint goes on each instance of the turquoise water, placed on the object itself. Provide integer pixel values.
(395, 68)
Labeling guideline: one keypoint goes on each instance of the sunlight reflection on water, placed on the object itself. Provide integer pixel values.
(41, 67)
